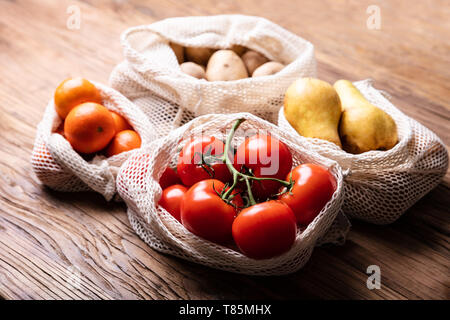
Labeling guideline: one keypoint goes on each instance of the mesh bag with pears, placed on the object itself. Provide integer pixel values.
(389, 160)
(171, 95)
(55, 161)
(138, 185)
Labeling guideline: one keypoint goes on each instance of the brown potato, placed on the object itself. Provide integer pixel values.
(253, 60)
(240, 50)
(267, 69)
(179, 51)
(225, 65)
(198, 55)
(193, 69)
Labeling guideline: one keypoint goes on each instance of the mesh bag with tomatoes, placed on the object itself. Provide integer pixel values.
(279, 241)
(151, 76)
(60, 167)
(381, 185)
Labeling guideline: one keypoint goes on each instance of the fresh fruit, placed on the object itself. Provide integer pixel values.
(89, 127)
(193, 69)
(171, 199)
(265, 156)
(120, 122)
(200, 159)
(198, 55)
(253, 60)
(225, 65)
(205, 214)
(179, 51)
(265, 230)
(313, 187)
(72, 92)
(267, 69)
(363, 126)
(313, 109)
(168, 178)
(123, 141)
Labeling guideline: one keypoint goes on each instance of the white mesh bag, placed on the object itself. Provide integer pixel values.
(137, 184)
(151, 77)
(381, 185)
(60, 167)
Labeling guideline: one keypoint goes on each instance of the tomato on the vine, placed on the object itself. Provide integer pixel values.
(313, 187)
(200, 159)
(204, 213)
(265, 230)
(169, 178)
(171, 199)
(265, 156)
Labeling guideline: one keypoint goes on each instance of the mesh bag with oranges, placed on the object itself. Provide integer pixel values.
(81, 142)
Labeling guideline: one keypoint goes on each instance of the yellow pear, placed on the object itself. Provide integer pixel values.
(313, 108)
(363, 126)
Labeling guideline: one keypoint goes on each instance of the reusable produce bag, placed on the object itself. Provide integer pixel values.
(60, 167)
(138, 185)
(151, 77)
(381, 185)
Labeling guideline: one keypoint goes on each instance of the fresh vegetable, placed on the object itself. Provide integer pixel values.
(198, 55)
(205, 213)
(171, 199)
(168, 178)
(267, 69)
(253, 60)
(265, 156)
(313, 187)
(225, 65)
(265, 230)
(193, 69)
(200, 159)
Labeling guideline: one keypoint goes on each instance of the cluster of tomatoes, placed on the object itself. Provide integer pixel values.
(250, 196)
(87, 124)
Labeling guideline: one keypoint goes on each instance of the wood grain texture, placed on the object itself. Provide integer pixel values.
(46, 236)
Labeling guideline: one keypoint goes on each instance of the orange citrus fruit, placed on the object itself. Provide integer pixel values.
(72, 92)
(123, 141)
(120, 122)
(89, 127)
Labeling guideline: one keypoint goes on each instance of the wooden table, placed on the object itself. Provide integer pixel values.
(46, 237)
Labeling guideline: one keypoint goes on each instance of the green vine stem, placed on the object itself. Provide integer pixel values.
(236, 174)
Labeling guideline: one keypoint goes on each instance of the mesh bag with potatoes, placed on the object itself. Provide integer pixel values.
(380, 185)
(60, 167)
(138, 185)
(152, 78)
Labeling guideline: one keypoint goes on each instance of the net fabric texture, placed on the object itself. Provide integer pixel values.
(381, 185)
(137, 184)
(60, 167)
(151, 77)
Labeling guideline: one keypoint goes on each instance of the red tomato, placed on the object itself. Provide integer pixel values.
(169, 178)
(205, 214)
(266, 156)
(171, 199)
(265, 230)
(192, 169)
(313, 188)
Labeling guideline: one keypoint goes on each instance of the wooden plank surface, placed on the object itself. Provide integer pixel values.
(47, 237)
